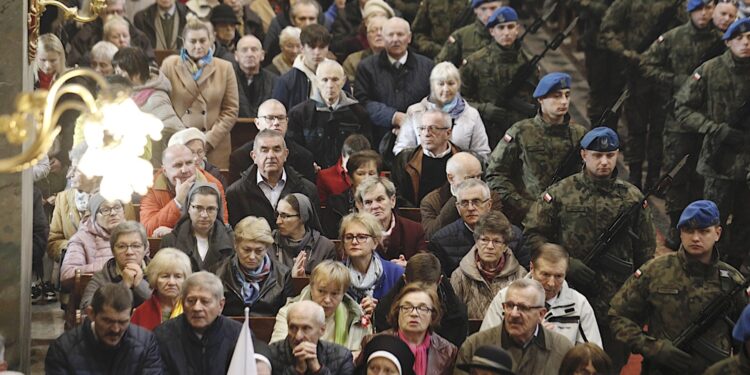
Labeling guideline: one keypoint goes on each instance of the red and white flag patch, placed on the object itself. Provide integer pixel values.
(547, 198)
(638, 273)
(507, 138)
(696, 76)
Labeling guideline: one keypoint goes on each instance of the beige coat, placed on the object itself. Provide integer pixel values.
(474, 290)
(210, 104)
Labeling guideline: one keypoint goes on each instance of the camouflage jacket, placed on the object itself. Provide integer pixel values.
(669, 285)
(463, 42)
(575, 211)
(485, 78)
(523, 163)
(591, 13)
(739, 364)
(706, 102)
(628, 23)
(434, 22)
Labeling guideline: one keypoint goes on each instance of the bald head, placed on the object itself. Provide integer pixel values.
(249, 54)
(460, 167)
(331, 80)
(308, 309)
(397, 34)
(178, 162)
(305, 322)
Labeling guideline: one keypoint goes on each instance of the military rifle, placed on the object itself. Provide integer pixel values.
(739, 120)
(538, 22)
(611, 262)
(567, 164)
(610, 115)
(522, 75)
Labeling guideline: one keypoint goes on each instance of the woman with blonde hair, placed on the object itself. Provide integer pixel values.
(165, 274)
(204, 90)
(49, 62)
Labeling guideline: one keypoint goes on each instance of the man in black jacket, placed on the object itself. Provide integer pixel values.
(258, 191)
(106, 343)
(255, 83)
(201, 340)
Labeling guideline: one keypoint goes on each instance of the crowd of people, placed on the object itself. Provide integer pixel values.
(529, 254)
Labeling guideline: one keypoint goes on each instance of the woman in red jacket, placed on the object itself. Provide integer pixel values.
(165, 274)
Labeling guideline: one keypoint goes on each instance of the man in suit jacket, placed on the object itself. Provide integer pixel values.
(162, 22)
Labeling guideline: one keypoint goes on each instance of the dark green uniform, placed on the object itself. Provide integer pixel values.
(668, 63)
(668, 293)
(434, 23)
(484, 80)
(705, 104)
(523, 163)
(624, 31)
(463, 42)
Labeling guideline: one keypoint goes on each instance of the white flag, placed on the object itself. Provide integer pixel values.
(243, 358)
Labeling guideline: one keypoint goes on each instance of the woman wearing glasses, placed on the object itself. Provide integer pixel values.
(251, 277)
(199, 232)
(416, 312)
(89, 248)
(298, 243)
(488, 267)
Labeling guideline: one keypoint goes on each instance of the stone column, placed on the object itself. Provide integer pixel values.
(15, 197)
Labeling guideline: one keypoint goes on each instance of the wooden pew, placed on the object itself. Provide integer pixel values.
(161, 54)
(411, 213)
(73, 314)
(261, 326)
(244, 131)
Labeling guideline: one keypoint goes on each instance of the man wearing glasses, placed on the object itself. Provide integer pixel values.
(422, 170)
(535, 349)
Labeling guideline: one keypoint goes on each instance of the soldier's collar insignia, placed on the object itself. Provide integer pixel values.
(500, 18)
(637, 273)
(547, 198)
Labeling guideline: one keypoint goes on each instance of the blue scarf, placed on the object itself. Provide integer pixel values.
(455, 108)
(251, 279)
(196, 69)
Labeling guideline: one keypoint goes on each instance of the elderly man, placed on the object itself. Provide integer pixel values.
(303, 352)
(535, 349)
(195, 140)
(438, 208)
(403, 237)
(302, 13)
(255, 83)
(258, 191)
(106, 342)
(272, 115)
(298, 84)
(322, 123)
(162, 205)
(421, 170)
(162, 22)
(535, 151)
(470, 38)
(568, 311)
(390, 81)
(129, 247)
(452, 242)
(201, 340)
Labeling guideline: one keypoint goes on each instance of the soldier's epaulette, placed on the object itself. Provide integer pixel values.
(660, 39)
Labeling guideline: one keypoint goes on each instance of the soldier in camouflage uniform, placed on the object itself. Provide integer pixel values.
(471, 38)
(669, 292)
(627, 30)
(489, 71)
(576, 210)
(706, 104)
(525, 160)
(738, 364)
(668, 63)
(435, 21)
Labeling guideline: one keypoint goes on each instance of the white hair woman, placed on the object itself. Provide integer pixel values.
(165, 274)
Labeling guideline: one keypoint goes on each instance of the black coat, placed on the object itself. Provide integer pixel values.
(273, 293)
(78, 352)
(300, 159)
(245, 198)
(334, 359)
(253, 95)
(220, 244)
(184, 353)
(318, 249)
(146, 18)
(91, 33)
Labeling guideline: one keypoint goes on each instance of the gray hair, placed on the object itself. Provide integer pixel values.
(128, 227)
(268, 133)
(333, 64)
(447, 121)
(104, 49)
(472, 183)
(288, 33)
(461, 160)
(311, 308)
(113, 21)
(167, 259)
(535, 286)
(370, 183)
(445, 71)
(206, 281)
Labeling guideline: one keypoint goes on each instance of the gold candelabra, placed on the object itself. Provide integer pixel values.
(89, 11)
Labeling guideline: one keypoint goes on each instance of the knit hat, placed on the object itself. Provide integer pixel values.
(373, 6)
(223, 14)
(393, 349)
(95, 201)
(184, 136)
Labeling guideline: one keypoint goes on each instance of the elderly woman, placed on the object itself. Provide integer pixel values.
(385, 354)
(290, 47)
(117, 31)
(250, 276)
(49, 62)
(372, 276)
(165, 274)
(344, 324)
(298, 243)
(468, 131)
(100, 58)
(89, 248)
(204, 90)
(200, 233)
(416, 311)
(488, 267)
(129, 246)
(586, 358)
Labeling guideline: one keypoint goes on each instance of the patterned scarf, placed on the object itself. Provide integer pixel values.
(489, 274)
(420, 353)
(364, 285)
(251, 279)
(196, 68)
(455, 108)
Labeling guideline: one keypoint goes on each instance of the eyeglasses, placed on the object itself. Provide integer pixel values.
(283, 216)
(509, 306)
(359, 237)
(431, 129)
(272, 118)
(484, 241)
(205, 210)
(106, 211)
(124, 246)
(472, 202)
(421, 310)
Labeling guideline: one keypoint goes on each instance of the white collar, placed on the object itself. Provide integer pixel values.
(402, 60)
(439, 155)
(260, 178)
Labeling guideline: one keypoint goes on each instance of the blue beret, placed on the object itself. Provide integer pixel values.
(502, 15)
(740, 26)
(600, 139)
(477, 3)
(693, 5)
(699, 214)
(741, 331)
(552, 82)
